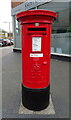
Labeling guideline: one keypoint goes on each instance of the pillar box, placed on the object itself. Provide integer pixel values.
(36, 26)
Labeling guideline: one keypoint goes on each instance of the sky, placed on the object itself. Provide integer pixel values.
(5, 15)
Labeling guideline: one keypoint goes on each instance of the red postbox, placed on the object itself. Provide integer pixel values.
(36, 28)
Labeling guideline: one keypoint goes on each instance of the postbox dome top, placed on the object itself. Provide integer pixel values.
(33, 13)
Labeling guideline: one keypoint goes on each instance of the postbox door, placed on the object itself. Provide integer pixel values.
(36, 61)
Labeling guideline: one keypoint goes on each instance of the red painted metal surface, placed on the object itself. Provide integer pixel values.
(36, 70)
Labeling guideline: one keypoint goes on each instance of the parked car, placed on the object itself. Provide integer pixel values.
(12, 41)
(7, 41)
(2, 42)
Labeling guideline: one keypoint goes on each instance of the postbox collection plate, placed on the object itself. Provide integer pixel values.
(36, 55)
(36, 43)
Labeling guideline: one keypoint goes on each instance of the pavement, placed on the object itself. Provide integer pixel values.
(11, 86)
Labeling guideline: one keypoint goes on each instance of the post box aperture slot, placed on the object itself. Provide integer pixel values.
(36, 29)
(36, 44)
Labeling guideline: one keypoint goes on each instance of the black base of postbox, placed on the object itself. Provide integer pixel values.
(35, 99)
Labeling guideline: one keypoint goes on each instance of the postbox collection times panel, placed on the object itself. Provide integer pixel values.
(36, 46)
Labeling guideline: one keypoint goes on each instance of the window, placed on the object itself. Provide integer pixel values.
(57, 18)
(17, 26)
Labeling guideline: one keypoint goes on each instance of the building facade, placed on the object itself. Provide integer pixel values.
(61, 34)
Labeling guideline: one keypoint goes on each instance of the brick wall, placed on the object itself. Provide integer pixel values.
(14, 3)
